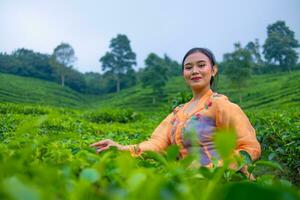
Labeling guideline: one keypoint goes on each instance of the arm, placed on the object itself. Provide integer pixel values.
(158, 141)
(230, 115)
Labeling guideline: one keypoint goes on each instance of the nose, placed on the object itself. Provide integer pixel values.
(195, 70)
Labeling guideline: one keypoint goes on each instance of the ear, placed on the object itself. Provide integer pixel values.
(214, 70)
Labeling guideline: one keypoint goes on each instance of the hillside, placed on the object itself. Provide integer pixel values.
(262, 91)
(52, 143)
(18, 89)
(267, 91)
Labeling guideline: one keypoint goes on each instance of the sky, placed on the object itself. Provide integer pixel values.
(169, 27)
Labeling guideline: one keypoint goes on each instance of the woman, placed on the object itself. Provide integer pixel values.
(203, 114)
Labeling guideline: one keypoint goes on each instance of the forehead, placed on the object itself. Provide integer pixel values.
(196, 57)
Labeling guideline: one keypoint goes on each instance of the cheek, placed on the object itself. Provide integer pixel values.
(207, 71)
(186, 74)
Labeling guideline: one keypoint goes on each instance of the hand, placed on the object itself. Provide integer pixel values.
(105, 144)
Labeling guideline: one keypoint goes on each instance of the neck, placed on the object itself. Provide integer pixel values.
(198, 94)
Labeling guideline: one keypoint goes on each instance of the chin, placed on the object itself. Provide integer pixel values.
(197, 86)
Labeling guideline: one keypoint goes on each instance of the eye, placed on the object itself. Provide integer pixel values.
(188, 67)
(201, 65)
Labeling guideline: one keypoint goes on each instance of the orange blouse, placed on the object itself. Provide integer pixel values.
(213, 111)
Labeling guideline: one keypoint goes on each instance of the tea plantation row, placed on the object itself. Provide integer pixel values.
(45, 154)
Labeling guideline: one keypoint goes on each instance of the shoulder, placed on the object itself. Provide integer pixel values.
(227, 109)
(219, 99)
(222, 102)
(226, 112)
(177, 108)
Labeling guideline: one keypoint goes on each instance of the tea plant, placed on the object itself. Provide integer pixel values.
(45, 154)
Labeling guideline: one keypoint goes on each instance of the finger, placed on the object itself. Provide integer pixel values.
(96, 144)
(100, 143)
(102, 149)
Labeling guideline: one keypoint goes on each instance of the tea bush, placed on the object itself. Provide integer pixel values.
(46, 155)
(122, 116)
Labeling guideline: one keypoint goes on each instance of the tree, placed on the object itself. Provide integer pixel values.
(93, 81)
(129, 79)
(155, 74)
(254, 49)
(63, 56)
(9, 64)
(174, 68)
(237, 67)
(29, 63)
(280, 46)
(75, 80)
(120, 60)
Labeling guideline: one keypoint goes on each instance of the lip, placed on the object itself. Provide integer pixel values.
(196, 78)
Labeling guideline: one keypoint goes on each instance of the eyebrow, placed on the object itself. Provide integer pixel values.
(199, 61)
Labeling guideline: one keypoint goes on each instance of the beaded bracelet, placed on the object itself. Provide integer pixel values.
(136, 149)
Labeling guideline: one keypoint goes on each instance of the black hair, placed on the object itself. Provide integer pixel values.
(206, 52)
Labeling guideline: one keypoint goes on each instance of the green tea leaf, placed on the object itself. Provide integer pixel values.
(135, 180)
(89, 174)
(246, 156)
(156, 156)
(172, 153)
(19, 191)
(271, 164)
(225, 142)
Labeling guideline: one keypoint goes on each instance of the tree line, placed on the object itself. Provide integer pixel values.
(277, 54)
(117, 66)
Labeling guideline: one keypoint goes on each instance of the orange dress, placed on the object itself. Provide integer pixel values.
(213, 111)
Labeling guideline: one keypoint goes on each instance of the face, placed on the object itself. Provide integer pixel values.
(198, 70)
